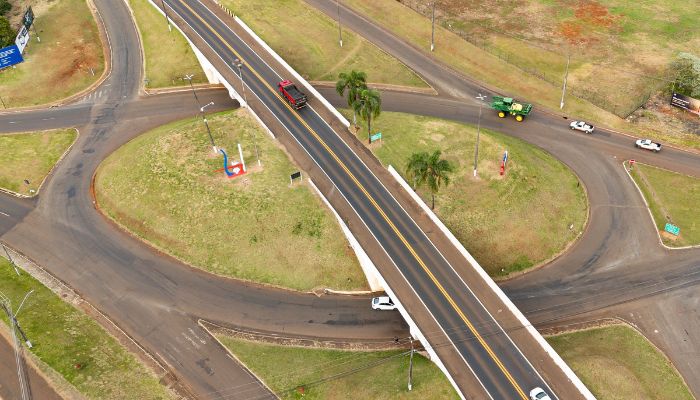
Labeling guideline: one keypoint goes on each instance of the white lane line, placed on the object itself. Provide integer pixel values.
(5, 214)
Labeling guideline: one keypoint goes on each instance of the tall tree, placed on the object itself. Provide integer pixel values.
(369, 106)
(417, 167)
(429, 169)
(354, 82)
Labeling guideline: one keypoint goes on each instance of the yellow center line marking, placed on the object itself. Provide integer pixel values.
(464, 318)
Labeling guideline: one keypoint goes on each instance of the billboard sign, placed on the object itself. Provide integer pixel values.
(10, 55)
(686, 103)
(28, 18)
(22, 38)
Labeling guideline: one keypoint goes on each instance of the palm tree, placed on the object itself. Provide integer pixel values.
(354, 82)
(368, 105)
(437, 173)
(417, 167)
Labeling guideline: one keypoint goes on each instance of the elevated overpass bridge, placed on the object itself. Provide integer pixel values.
(485, 346)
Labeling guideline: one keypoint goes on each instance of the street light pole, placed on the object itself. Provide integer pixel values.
(189, 78)
(340, 32)
(410, 368)
(478, 132)
(204, 118)
(432, 35)
(165, 11)
(566, 75)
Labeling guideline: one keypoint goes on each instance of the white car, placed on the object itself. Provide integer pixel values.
(383, 303)
(539, 394)
(582, 126)
(648, 145)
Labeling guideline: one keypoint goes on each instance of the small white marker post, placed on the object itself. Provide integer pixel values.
(240, 153)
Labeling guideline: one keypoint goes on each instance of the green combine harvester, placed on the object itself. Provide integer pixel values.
(506, 105)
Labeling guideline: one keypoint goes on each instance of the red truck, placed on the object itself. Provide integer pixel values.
(294, 96)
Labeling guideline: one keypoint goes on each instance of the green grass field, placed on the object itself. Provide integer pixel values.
(507, 223)
(284, 369)
(617, 363)
(31, 156)
(75, 346)
(63, 62)
(163, 187)
(168, 55)
(492, 56)
(673, 195)
(313, 49)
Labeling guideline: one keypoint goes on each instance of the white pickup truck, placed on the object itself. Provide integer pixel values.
(582, 126)
(648, 145)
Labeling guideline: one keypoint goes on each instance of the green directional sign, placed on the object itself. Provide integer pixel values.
(375, 137)
(672, 229)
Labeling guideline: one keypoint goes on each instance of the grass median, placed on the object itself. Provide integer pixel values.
(68, 59)
(672, 198)
(164, 187)
(495, 68)
(168, 55)
(296, 372)
(508, 223)
(75, 346)
(308, 40)
(617, 363)
(28, 157)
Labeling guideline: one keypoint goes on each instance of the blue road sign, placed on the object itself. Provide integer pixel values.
(9, 56)
(672, 229)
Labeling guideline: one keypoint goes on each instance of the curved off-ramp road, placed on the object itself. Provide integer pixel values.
(616, 269)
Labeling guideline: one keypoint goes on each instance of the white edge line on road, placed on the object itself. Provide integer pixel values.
(5, 214)
(518, 314)
(405, 314)
(508, 304)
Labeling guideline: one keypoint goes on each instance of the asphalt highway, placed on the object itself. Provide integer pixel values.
(612, 269)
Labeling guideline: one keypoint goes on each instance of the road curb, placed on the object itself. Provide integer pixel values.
(74, 298)
(646, 203)
(107, 54)
(48, 174)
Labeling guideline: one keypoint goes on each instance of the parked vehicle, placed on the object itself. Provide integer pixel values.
(539, 394)
(582, 126)
(648, 145)
(506, 105)
(383, 303)
(295, 97)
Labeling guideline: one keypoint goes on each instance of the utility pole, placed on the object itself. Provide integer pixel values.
(14, 326)
(165, 11)
(340, 32)
(189, 78)
(566, 75)
(410, 368)
(432, 36)
(478, 132)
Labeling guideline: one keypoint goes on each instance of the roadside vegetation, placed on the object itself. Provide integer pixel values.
(617, 363)
(68, 59)
(75, 346)
(617, 49)
(168, 55)
(673, 198)
(27, 158)
(508, 223)
(314, 50)
(297, 372)
(164, 187)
